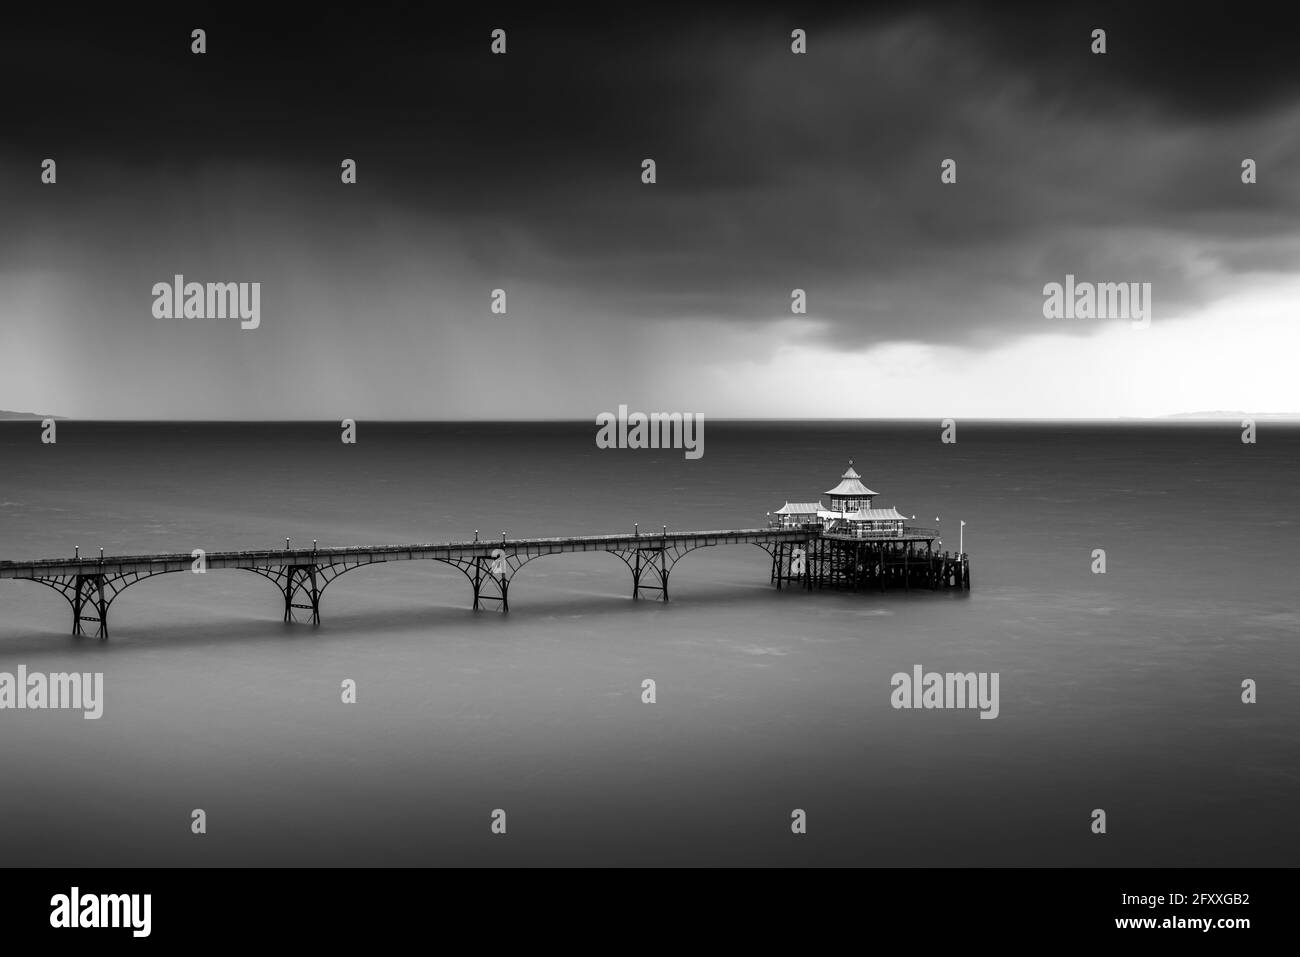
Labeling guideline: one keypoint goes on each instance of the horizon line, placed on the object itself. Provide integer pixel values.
(1172, 417)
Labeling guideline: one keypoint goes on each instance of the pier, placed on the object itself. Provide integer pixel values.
(802, 556)
(848, 546)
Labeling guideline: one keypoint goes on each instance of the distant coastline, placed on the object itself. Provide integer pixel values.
(5, 416)
(1220, 414)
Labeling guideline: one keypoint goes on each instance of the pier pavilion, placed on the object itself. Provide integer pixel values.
(853, 545)
(850, 514)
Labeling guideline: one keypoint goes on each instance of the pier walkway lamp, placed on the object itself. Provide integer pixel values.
(76, 552)
(636, 529)
(286, 544)
(961, 541)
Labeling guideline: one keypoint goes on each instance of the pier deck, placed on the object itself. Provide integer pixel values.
(803, 556)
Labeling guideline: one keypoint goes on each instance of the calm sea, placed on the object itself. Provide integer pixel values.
(1119, 691)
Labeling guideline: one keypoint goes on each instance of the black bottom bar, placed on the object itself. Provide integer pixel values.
(984, 910)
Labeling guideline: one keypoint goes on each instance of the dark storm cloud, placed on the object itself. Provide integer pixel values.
(1208, 59)
(775, 171)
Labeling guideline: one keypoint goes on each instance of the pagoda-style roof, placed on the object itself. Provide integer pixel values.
(799, 508)
(850, 485)
(865, 515)
(875, 515)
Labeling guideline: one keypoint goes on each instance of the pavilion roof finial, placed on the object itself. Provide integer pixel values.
(850, 485)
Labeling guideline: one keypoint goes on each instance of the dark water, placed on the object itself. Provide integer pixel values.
(1118, 691)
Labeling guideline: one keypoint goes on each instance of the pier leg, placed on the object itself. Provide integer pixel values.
(315, 598)
(481, 577)
(288, 593)
(301, 580)
(102, 607)
(90, 591)
(78, 601)
(641, 568)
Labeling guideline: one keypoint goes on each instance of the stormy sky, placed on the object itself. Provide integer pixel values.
(775, 171)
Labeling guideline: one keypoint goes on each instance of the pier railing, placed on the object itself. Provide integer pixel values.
(882, 534)
(837, 530)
